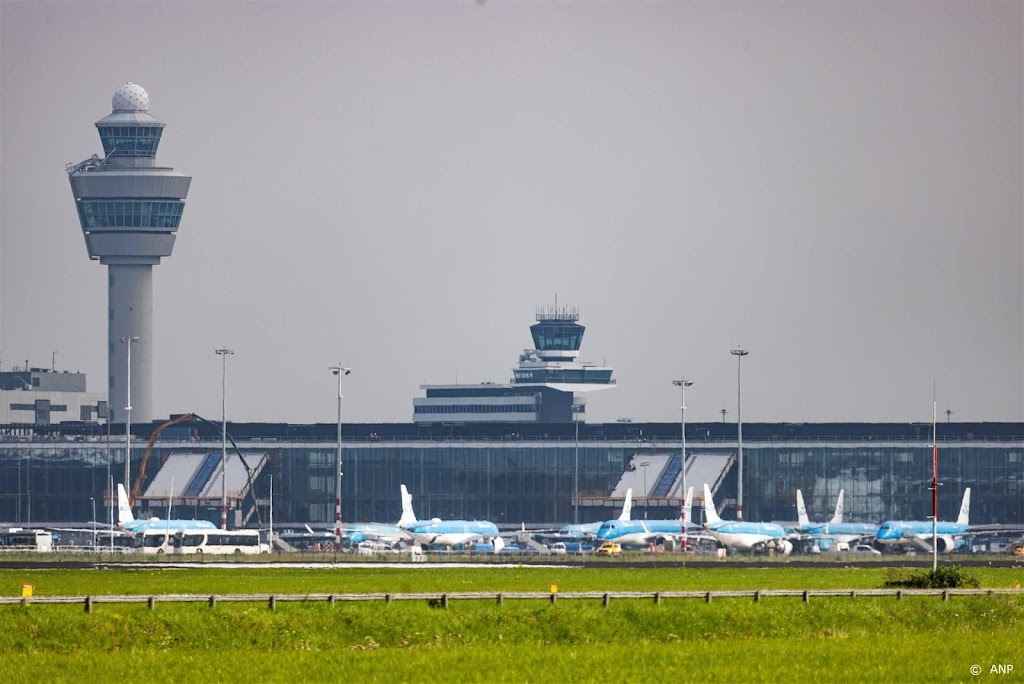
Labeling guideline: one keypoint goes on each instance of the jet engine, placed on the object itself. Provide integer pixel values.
(783, 546)
(946, 544)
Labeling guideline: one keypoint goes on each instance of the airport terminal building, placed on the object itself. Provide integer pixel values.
(512, 473)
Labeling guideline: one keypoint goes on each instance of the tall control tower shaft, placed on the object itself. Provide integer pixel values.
(129, 209)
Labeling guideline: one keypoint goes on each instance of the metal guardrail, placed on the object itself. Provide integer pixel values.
(441, 599)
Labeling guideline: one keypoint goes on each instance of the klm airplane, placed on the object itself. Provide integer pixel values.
(128, 522)
(919, 532)
(641, 533)
(446, 532)
(745, 536)
(359, 532)
(587, 530)
(835, 534)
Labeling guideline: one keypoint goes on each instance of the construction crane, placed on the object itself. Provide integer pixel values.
(141, 477)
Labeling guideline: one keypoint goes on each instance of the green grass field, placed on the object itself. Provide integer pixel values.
(829, 639)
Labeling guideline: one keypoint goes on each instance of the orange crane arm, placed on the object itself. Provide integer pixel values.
(141, 477)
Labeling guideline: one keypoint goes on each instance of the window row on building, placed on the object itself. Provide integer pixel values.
(474, 408)
(131, 214)
(130, 141)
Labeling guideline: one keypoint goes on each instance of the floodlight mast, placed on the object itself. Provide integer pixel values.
(739, 353)
(682, 384)
(223, 353)
(129, 340)
(339, 371)
(935, 488)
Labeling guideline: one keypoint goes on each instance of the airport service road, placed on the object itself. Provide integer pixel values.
(328, 566)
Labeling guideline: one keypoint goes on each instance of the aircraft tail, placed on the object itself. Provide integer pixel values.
(965, 509)
(801, 510)
(710, 514)
(407, 515)
(627, 506)
(837, 519)
(124, 511)
(688, 506)
(499, 544)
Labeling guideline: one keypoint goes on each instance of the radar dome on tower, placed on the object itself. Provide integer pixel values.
(130, 97)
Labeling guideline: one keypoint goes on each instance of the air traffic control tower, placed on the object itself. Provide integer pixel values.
(129, 209)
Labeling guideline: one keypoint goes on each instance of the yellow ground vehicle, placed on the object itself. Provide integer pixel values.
(609, 549)
(1017, 549)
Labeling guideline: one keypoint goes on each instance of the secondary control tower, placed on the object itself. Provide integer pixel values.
(129, 209)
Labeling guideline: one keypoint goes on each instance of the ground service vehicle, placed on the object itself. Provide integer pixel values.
(219, 542)
(35, 541)
(609, 549)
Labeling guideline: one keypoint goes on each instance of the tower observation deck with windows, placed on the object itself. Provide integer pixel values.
(129, 209)
(548, 386)
(557, 336)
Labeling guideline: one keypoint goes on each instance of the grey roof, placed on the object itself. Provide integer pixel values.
(130, 119)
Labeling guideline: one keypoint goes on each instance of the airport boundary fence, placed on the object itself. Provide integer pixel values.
(442, 599)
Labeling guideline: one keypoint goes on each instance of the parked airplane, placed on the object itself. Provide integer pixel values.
(584, 530)
(919, 532)
(446, 532)
(835, 534)
(127, 521)
(642, 533)
(359, 532)
(746, 536)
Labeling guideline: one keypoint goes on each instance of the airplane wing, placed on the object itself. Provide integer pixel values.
(994, 529)
(920, 543)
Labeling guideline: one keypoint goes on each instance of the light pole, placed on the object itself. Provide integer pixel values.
(92, 500)
(223, 353)
(739, 353)
(682, 384)
(576, 469)
(110, 477)
(128, 339)
(723, 412)
(340, 371)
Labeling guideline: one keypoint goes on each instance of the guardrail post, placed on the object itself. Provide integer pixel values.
(657, 598)
(707, 597)
(88, 604)
(330, 600)
(807, 596)
(444, 601)
(606, 601)
(152, 602)
(501, 599)
(387, 599)
(945, 594)
(272, 604)
(757, 596)
(899, 594)
(853, 594)
(213, 601)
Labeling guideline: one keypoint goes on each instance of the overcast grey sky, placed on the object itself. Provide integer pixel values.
(835, 186)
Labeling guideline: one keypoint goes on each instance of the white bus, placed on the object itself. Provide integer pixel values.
(219, 542)
(156, 541)
(19, 540)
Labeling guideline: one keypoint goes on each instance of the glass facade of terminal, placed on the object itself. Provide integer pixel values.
(529, 478)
